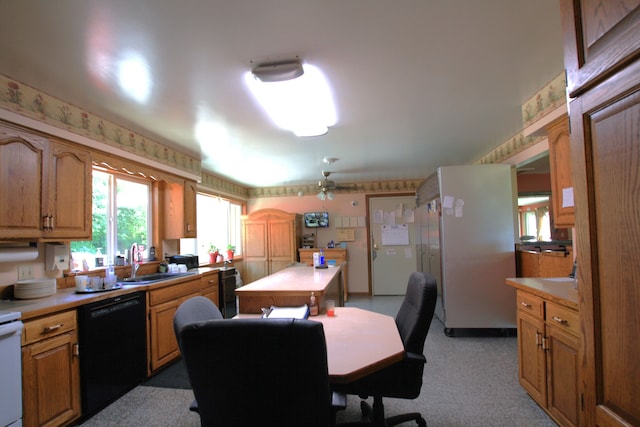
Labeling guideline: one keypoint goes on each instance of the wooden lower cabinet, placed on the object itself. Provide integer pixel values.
(163, 303)
(51, 371)
(209, 287)
(548, 351)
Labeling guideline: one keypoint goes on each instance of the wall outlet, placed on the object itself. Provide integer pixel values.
(25, 272)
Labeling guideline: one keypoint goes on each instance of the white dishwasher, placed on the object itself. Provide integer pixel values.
(10, 370)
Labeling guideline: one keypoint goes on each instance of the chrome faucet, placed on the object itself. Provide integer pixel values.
(133, 259)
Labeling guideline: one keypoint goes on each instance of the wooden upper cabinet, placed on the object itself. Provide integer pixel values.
(69, 193)
(179, 209)
(600, 38)
(561, 180)
(23, 160)
(45, 188)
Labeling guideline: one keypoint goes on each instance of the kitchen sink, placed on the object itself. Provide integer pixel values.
(152, 278)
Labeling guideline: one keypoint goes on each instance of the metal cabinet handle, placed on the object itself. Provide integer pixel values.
(52, 328)
(524, 304)
(560, 320)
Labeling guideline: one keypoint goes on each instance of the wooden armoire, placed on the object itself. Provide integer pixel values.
(271, 238)
(602, 60)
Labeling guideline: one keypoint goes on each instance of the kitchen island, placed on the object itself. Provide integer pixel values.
(291, 287)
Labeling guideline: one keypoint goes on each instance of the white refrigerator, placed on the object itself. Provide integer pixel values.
(476, 233)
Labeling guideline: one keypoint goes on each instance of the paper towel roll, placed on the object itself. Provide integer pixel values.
(18, 254)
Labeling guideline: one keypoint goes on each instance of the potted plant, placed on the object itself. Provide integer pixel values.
(213, 253)
(230, 250)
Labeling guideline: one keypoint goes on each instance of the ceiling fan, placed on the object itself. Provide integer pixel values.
(327, 187)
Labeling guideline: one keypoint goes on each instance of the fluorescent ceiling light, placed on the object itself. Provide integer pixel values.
(303, 105)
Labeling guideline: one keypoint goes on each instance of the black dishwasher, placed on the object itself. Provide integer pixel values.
(227, 292)
(113, 349)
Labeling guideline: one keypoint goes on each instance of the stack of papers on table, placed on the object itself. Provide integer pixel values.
(274, 312)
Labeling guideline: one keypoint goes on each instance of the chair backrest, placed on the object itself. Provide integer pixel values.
(267, 372)
(194, 309)
(415, 313)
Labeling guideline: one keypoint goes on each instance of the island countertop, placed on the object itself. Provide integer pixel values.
(290, 287)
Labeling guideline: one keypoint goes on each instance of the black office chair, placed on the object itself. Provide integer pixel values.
(193, 310)
(259, 372)
(403, 379)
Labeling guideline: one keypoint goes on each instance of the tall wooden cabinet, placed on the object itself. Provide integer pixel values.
(45, 187)
(602, 57)
(271, 238)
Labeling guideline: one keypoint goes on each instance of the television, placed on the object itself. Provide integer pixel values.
(316, 219)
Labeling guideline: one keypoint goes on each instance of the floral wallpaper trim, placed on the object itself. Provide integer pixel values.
(547, 99)
(219, 184)
(359, 187)
(30, 102)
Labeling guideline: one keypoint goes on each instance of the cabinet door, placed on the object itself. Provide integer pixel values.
(562, 372)
(209, 283)
(69, 197)
(600, 37)
(164, 345)
(282, 245)
(179, 203)
(254, 249)
(605, 145)
(532, 369)
(190, 211)
(561, 181)
(51, 381)
(22, 165)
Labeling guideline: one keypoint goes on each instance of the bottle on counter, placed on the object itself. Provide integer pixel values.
(313, 305)
(321, 261)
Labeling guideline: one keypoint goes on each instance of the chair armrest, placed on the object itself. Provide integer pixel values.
(415, 357)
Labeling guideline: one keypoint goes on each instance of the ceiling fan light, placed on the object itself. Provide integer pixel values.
(330, 195)
(322, 195)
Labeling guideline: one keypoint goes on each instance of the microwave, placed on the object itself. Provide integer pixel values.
(191, 261)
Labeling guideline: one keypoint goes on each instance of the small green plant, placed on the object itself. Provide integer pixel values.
(231, 248)
(213, 248)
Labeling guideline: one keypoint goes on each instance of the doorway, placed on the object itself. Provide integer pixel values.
(392, 242)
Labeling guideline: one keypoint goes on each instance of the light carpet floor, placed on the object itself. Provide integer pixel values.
(470, 380)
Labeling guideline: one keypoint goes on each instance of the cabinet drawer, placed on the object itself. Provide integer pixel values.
(50, 326)
(563, 317)
(530, 304)
(174, 292)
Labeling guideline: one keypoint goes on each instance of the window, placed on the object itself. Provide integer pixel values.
(534, 218)
(121, 216)
(219, 224)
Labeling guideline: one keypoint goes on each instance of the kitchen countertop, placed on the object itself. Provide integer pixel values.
(556, 289)
(66, 299)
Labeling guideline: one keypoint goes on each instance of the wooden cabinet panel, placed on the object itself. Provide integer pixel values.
(531, 367)
(600, 38)
(545, 264)
(562, 367)
(605, 143)
(179, 209)
(69, 194)
(270, 241)
(163, 303)
(209, 287)
(45, 188)
(548, 356)
(51, 371)
(561, 175)
(23, 160)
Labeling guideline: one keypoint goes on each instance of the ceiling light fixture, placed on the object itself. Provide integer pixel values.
(296, 96)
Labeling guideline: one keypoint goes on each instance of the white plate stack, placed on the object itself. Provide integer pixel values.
(34, 288)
